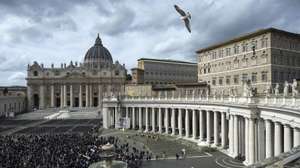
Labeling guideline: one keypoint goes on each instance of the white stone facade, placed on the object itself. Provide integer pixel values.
(264, 57)
(76, 85)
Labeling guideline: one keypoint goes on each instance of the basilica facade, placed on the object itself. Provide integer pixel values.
(76, 84)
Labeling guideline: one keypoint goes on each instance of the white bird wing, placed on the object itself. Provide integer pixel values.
(180, 11)
(187, 24)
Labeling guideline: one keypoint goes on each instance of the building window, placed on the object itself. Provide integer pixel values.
(227, 51)
(117, 73)
(35, 73)
(264, 76)
(254, 77)
(236, 49)
(221, 81)
(213, 81)
(236, 79)
(245, 47)
(221, 52)
(244, 77)
(227, 80)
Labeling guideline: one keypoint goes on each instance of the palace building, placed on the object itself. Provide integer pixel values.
(76, 85)
(265, 57)
(164, 71)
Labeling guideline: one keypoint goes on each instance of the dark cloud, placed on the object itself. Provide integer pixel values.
(60, 30)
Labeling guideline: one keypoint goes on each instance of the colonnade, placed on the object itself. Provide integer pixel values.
(247, 137)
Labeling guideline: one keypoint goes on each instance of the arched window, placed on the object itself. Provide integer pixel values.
(35, 73)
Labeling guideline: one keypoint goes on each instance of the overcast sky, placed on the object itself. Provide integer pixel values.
(56, 31)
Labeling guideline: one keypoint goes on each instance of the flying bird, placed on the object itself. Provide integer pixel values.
(185, 17)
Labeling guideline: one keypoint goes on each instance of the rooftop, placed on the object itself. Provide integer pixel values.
(248, 35)
(166, 61)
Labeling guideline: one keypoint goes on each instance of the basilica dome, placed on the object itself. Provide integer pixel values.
(98, 56)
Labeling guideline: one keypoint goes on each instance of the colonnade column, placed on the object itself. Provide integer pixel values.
(296, 137)
(61, 96)
(194, 124)
(133, 117)
(65, 95)
(277, 139)
(180, 122)
(147, 119)
(159, 120)
(235, 135)
(187, 123)
(269, 144)
(246, 140)
(71, 95)
(208, 136)
(251, 141)
(153, 119)
(80, 95)
(173, 121)
(52, 95)
(86, 95)
(201, 126)
(231, 133)
(140, 119)
(216, 129)
(223, 130)
(287, 138)
(167, 120)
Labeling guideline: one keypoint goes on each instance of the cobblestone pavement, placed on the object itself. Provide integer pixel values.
(195, 158)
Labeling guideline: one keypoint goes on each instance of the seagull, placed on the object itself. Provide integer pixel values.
(185, 17)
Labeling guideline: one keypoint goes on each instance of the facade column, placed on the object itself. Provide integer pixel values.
(159, 120)
(208, 132)
(201, 126)
(296, 137)
(61, 96)
(187, 123)
(180, 122)
(100, 96)
(173, 121)
(133, 117)
(42, 97)
(167, 120)
(277, 139)
(52, 96)
(269, 142)
(71, 96)
(251, 141)
(153, 119)
(91, 94)
(287, 138)
(147, 119)
(80, 95)
(65, 95)
(140, 119)
(116, 116)
(236, 135)
(194, 124)
(126, 112)
(29, 98)
(223, 130)
(216, 129)
(86, 95)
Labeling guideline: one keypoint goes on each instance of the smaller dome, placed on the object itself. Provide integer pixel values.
(98, 56)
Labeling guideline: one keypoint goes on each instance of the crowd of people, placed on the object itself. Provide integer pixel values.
(63, 150)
